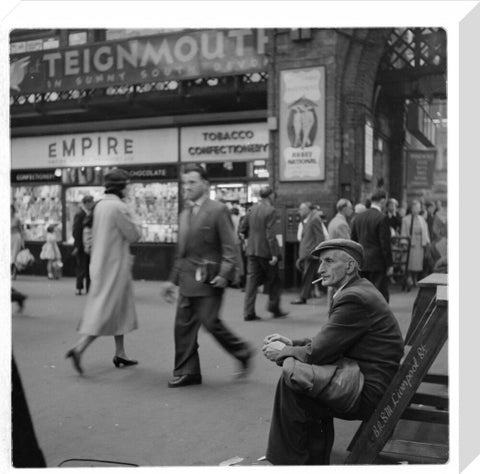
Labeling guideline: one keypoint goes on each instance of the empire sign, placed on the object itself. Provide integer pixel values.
(184, 55)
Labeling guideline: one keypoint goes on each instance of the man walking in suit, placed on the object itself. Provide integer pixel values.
(338, 228)
(372, 230)
(263, 254)
(82, 259)
(312, 235)
(204, 264)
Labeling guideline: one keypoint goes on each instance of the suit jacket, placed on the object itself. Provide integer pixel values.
(371, 229)
(207, 236)
(259, 228)
(312, 235)
(77, 229)
(361, 327)
(338, 227)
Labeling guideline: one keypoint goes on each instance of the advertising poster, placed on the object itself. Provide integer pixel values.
(302, 124)
(368, 168)
(420, 168)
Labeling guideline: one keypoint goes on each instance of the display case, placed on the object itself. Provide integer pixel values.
(155, 207)
(73, 198)
(37, 207)
(236, 193)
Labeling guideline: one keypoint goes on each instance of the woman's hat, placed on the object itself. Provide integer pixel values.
(116, 177)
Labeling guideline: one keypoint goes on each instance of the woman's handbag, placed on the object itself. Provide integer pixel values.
(338, 385)
(24, 259)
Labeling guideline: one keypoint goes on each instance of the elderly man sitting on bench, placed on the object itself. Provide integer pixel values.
(342, 372)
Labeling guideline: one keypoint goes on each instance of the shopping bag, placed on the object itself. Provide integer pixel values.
(24, 259)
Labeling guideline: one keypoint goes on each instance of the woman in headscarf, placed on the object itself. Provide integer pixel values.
(110, 308)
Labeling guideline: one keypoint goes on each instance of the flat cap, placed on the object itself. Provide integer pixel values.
(116, 177)
(354, 249)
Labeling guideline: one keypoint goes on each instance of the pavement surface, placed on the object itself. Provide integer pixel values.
(129, 415)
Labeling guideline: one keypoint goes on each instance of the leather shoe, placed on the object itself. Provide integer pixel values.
(184, 380)
(252, 317)
(299, 301)
(245, 365)
(280, 314)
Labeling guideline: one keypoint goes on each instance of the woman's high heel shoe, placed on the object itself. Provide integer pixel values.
(120, 361)
(75, 360)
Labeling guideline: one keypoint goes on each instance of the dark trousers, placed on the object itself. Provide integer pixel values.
(82, 271)
(259, 272)
(16, 296)
(25, 449)
(191, 313)
(309, 270)
(380, 281)
(301, 430)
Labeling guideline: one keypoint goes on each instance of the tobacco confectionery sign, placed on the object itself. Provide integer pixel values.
(174, 56)
(302, 124)
(246, 141)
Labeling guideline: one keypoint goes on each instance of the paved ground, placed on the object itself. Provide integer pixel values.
(130, 415)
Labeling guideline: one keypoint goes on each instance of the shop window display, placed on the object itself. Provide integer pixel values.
(155, 206)
(37, 207)
(73, 198)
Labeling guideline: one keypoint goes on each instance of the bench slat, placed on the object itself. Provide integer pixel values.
(427, 416)
(415, 452)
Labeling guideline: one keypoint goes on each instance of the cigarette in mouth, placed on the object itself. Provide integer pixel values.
(317, 280)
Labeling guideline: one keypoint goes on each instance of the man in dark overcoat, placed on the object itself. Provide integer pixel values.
(372, 230)
(312, 235)
(263, 254)
(82, 259)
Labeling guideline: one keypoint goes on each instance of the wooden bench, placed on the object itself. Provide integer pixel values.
(427, 335)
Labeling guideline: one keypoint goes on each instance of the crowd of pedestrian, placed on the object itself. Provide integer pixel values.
(218, 247)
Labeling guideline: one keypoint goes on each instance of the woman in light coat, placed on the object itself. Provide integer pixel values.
(415, 227)
(110, 308)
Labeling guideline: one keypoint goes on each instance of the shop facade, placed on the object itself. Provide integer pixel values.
(70, 166)
(309, 111)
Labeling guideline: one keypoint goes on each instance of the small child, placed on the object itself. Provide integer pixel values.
(51, 253)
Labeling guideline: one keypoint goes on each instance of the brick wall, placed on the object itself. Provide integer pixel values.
(351, 58)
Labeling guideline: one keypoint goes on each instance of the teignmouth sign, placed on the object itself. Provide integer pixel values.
(173, 56)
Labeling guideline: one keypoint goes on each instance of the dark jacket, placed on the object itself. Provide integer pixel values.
(361, 327)
(312, 235)
(259, 228)
(371, 229)
(208, 236)
(395, 222)
(77, 230)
